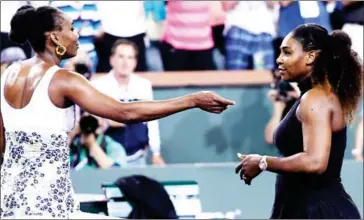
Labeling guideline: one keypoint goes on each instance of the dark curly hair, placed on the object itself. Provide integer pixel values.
(31, 24)
(336, 64)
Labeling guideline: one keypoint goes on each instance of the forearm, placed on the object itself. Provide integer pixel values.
(115, 124)
(100, 157)
(297, 163)
(152, 110)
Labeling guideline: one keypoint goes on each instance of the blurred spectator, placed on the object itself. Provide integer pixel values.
(81, 64)
(120, 20)
(353, 24)
(249, 32)
(335, 10)
(91, 149)
(294, 13)
(122, 84)
(6, 15)
(282, 95)
(217, 22)
(11, 55)
(86, 22)
(155, 13)
(187, 42)
(358, 149)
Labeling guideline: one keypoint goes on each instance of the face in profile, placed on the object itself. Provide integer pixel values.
(293, 60)
(124, 60)
(66, 37)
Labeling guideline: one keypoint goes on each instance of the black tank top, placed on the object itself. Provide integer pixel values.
(288, 139)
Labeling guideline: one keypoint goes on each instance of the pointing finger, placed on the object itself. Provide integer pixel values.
(241, 156)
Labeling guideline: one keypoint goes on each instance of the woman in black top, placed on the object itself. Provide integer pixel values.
(312, 136)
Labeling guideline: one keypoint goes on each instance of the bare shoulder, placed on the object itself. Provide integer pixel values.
(316, 104)
(69, 76)
(65, 80)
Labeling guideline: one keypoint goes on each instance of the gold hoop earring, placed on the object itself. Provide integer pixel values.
(60, 50)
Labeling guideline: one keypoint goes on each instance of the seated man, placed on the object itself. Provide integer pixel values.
(90, 149)
(124, 85)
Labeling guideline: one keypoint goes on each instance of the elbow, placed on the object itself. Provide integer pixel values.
(125, 115)
(315, 166)
(129, 118)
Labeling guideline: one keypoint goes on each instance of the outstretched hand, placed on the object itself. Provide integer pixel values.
(211, 102)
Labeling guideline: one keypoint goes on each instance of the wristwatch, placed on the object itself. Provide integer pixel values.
(263, 163)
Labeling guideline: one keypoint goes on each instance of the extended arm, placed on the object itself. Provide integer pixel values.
(77, 89)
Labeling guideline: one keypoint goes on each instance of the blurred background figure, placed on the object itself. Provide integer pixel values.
(86, 22)
(187, 41)
(8, 9)
(294, 13)
(11, 55)
(249, 33)
(120, 20)
(82, 64)
(91, 149)
(123, 84)
(155, 12)
(282, 95)
(358, 148)
(217, 22)
(353, 24)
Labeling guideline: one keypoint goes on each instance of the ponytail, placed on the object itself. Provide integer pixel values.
(344, 72)
(337, 64)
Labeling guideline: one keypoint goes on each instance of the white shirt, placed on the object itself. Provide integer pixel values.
(138, 88)
(252, 16)
(122, 18)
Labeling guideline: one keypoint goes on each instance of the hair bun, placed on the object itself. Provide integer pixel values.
(341, 39)
(21, 22)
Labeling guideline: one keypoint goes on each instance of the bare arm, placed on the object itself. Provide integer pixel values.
(77, 89)
(315, 115)
(2, 139)
(100, 156)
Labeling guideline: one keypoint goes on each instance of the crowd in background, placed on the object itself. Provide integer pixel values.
(124, 37)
